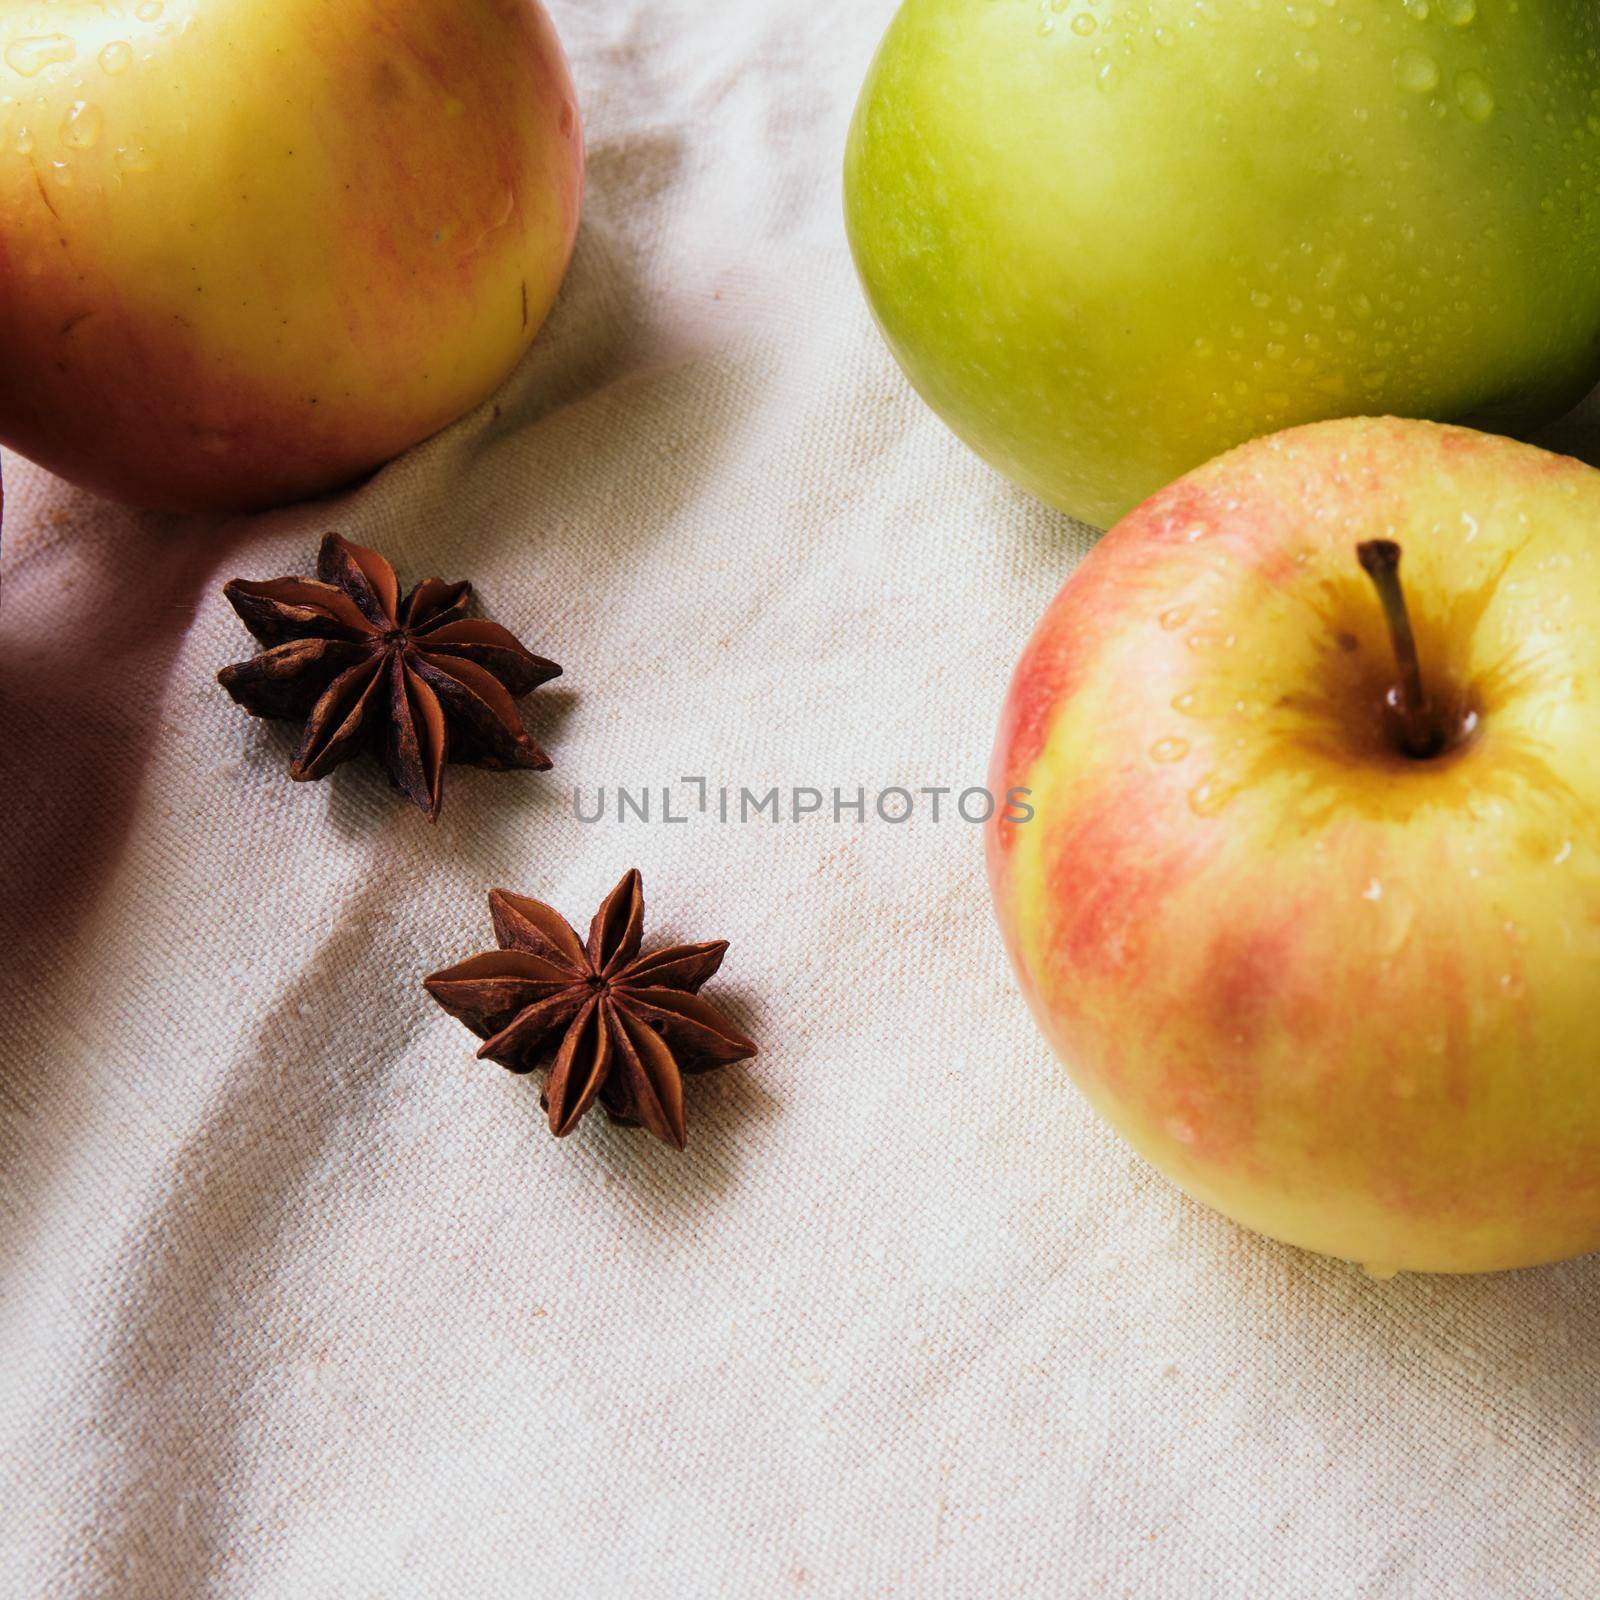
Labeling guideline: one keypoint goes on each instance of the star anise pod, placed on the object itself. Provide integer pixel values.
(417, 681)
(612, 1024)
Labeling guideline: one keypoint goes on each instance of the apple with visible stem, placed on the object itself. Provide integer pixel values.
(249, 251)
(1108, 239)
(1310, 902)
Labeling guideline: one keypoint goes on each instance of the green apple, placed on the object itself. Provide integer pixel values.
(1309, 904)
(1108, 239)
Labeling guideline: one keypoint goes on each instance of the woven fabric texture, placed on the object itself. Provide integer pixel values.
(299, 1300)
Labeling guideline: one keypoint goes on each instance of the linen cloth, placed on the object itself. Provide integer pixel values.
(299, 1300)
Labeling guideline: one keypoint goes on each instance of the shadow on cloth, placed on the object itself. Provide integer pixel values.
(181, 1376)
(85, 677)
(1502, 1347)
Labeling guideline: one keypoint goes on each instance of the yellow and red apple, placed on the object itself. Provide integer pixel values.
(249, 251)
(1341, 983)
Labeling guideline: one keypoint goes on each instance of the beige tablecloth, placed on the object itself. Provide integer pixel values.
(299, 1300)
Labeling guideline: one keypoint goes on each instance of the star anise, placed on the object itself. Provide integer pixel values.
(417, 681)
(612, 1024)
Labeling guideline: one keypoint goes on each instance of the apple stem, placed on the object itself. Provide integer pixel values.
(1380, 560)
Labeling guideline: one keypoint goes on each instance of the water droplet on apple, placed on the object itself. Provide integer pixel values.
(31, 55)
(24, 142)
(1460, 12)
(1379, 1271)
(1209, 796)
(1474, 96)
(116, 57)
(134, 158)
(1168, 751)
(1083, 24)
(1563, 854)
(1416, 72)
(80, 128)
(147, 10)
(1181, 1130)
(1373, 891)
(1512, 985)
(1174, 618)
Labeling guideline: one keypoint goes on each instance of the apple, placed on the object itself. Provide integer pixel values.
(249, 251)
(1108, 239)
(1309, 905)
